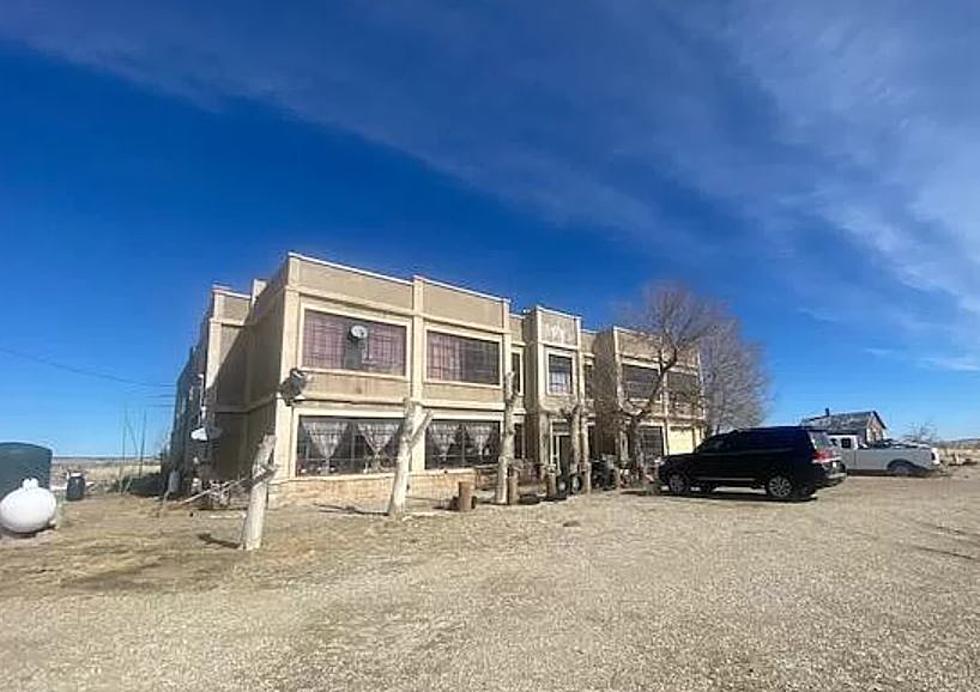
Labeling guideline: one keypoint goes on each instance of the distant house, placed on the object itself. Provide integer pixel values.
(867, 425)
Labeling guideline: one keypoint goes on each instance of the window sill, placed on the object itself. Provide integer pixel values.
(354, 373)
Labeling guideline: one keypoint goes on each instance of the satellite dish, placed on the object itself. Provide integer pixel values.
(359, 331)
(206, 433)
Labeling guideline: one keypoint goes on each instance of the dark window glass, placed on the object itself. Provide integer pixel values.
(559, 374)
(451, 443)
(515, 365)
(460, 359)
(713, 444)
(589, 373)
(519, 441)
(651, 440)
(638, 382)
(344, 343)
(328, 445)
(685, 389)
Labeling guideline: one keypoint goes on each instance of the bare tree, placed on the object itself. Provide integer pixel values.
(923, 433)
(734, 384)
(672, 323)
(506, 456)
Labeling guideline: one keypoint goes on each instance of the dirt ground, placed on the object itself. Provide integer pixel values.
(873, 585)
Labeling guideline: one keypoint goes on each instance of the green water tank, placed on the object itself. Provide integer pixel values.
(20, 460)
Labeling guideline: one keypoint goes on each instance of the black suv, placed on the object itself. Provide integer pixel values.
(788, 462)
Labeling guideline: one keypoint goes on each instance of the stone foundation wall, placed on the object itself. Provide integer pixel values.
(368, 491)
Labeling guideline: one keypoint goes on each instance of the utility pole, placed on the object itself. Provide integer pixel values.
(142, 444)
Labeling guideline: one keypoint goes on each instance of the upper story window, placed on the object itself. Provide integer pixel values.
(559, 374)
(461, 359)
(517, 367)
(638, 381)
(685, 387)
(588, 370)
(336, 342)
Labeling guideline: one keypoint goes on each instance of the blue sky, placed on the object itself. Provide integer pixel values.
(814, 165)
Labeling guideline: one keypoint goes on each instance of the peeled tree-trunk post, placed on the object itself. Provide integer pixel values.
(506, 456)
(262, 471)
(412, 431)
(581, 461)
(573, 416)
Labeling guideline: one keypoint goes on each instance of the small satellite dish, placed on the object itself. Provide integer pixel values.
(206, 433)
(359, 331)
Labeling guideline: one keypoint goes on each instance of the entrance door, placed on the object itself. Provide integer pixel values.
(561, 450)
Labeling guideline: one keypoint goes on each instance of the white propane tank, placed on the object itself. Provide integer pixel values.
(28, 509)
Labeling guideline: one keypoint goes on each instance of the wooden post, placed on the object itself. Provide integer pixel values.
(408, 438)
(258, 496)
(465, 499)
(506, 456)
(512, 490)
(551, 481)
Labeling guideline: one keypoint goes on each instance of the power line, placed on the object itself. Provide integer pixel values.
(80, 371)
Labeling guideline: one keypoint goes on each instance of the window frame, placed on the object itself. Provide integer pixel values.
(519, 373)
(644, 367)
(353, 439)
(492, 444)
(571, 373)
(404, 325)
(429, 378)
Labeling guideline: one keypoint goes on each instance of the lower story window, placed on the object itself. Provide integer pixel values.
(519, 441)
(651, 443)
(327, 445)
(450, 443)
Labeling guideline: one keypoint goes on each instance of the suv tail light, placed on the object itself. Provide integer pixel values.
(822, 455)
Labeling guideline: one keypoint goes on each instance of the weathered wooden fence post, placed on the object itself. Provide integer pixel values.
(258, 496)
(505, 458)
(512, 490)
(465, 499)
(409, 436)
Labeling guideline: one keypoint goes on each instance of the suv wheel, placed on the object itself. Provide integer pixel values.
(780, 487)
(901, 468)
(677, 484)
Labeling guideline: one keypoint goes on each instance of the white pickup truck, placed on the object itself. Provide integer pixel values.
(897, 459)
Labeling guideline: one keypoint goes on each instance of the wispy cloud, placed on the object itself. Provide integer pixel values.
(953, 363)
(844, 136)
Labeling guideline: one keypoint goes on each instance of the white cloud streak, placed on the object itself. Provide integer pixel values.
(855, 123)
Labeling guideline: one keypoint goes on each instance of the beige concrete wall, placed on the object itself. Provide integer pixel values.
(588, 341)
(367, 491)
(361, 286)
(681, 440)
(459, 306)
(265, 350)
(462, 393)
(227, 459)
(338, 386)
(558, 329)
(233, 307)
(230, 380)
(517, 328)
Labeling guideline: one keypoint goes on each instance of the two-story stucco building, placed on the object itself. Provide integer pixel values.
(365, 342)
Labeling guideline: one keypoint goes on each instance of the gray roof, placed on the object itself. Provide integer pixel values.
(844, 422)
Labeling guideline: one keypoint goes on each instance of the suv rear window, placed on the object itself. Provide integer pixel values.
(819, 439)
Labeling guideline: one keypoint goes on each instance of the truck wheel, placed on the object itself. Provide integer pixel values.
(677, 484)
(780, 487)
(901, 468)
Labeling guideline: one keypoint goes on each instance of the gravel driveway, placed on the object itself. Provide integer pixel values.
(873, 585)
